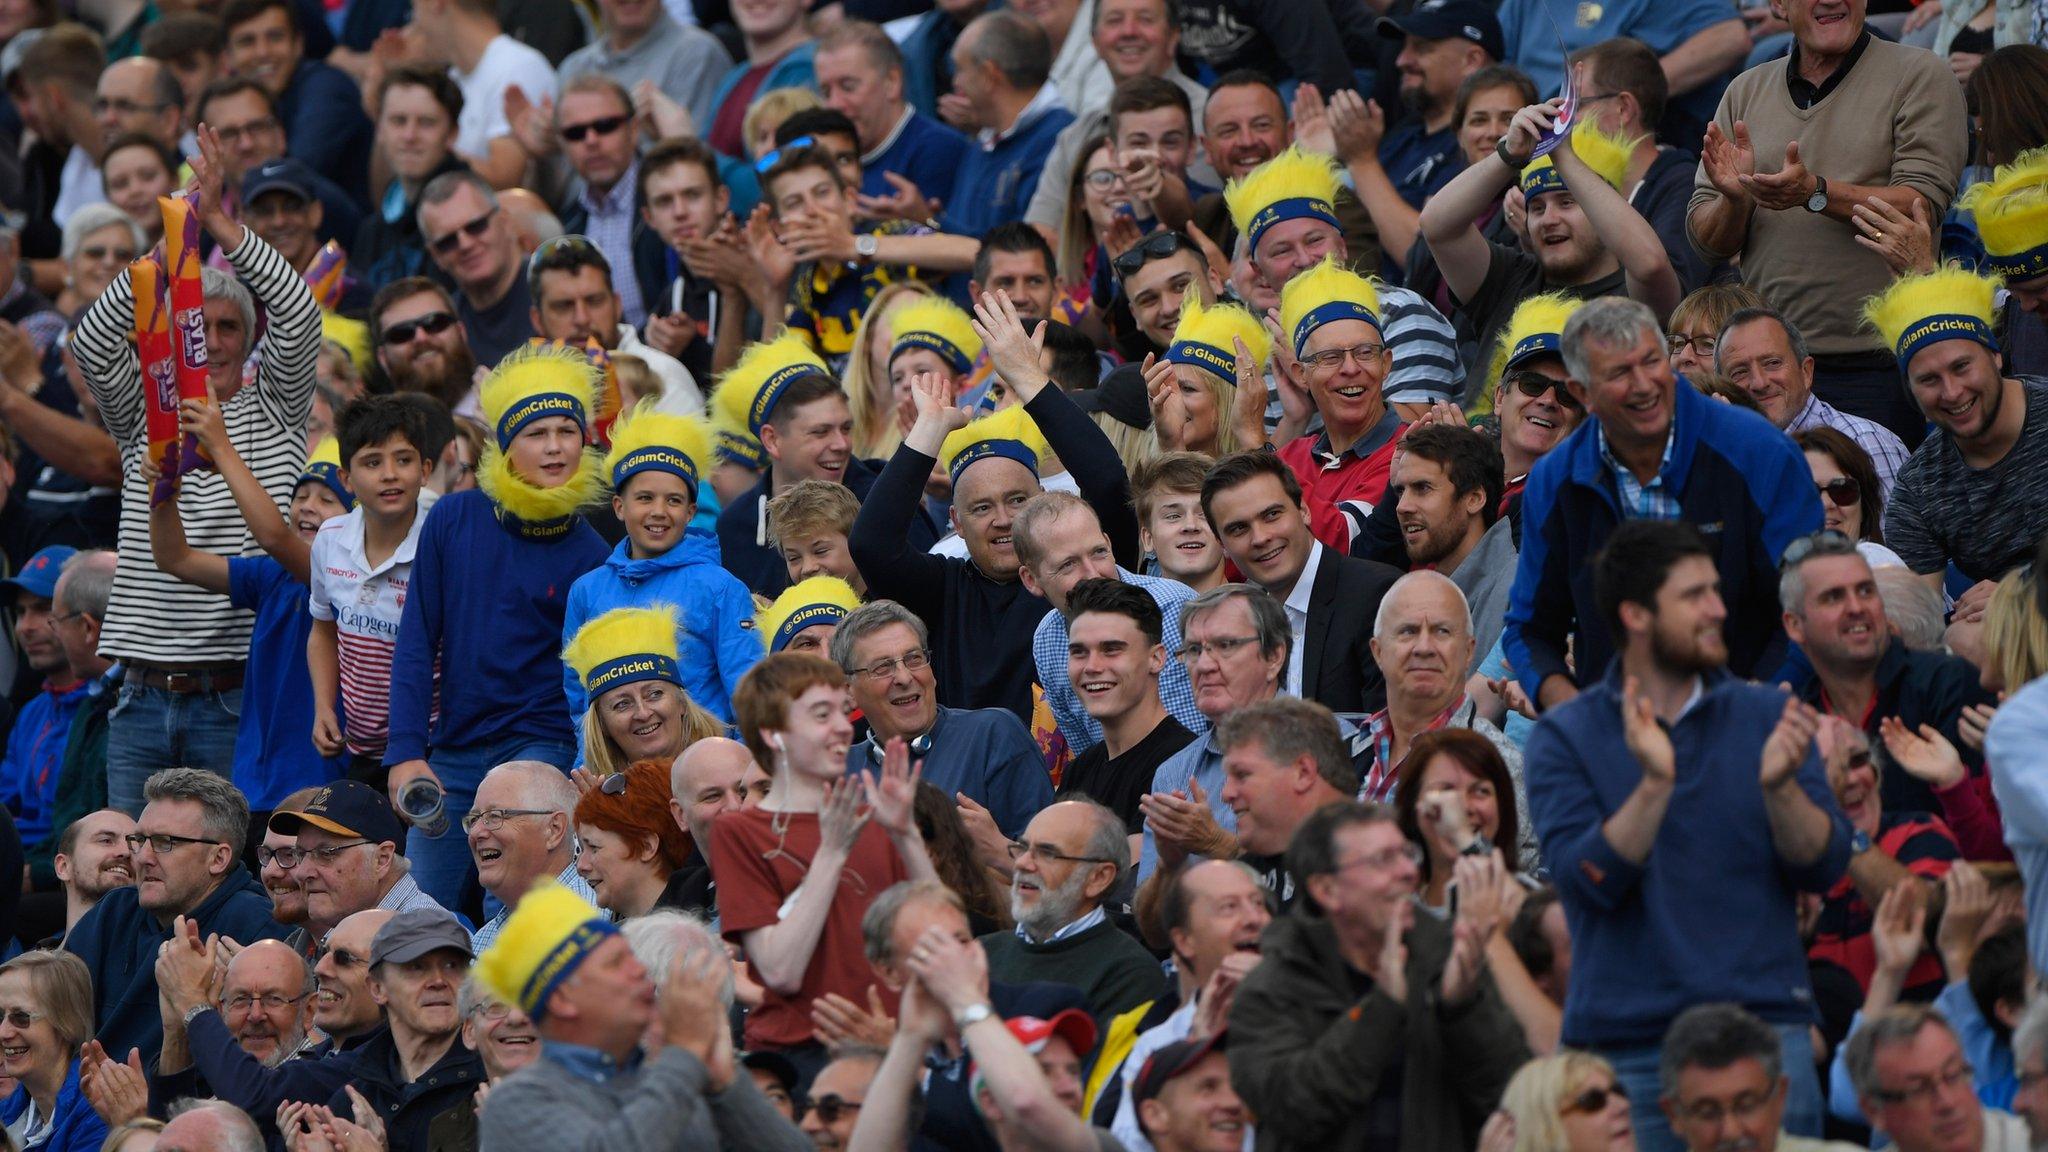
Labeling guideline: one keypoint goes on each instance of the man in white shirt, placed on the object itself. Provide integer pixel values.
(485, 63)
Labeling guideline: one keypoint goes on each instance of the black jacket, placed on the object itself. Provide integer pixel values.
(748, 552)
(1929, 688)
(1337, 666)
(387, 250)
(409, 1109)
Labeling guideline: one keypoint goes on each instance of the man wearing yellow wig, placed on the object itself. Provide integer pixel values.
(490, 588)
(629, 1059)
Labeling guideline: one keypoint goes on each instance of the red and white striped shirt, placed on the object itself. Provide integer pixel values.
(364, 601)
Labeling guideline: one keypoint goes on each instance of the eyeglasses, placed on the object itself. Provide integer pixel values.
(323, 856)
(1842, 491)
(67, 617)
(1385, 858)
(122, 106)
(1102, 179)
(494, 818)
(1826, 542)
(1333, 359)
(1702, 346)
(492, 1010)
(433, 324)
(448, 242)
(1047, 854)
(1925, 1091)
(1221, 647)
(162, 842)
(234, 133)
(574, 133)
(1593, 1099)
(271, 1003)
(1157, 246)
(285, 858)
(22, 1018)
(614, 784)
(775, 156)
(884, 669)
(1535, 384)
(829, 1108)
(343, 958)
(104, 252)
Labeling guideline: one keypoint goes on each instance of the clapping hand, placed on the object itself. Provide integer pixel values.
(841, 1023)
(1787, 188)
(892, 799)
(533, 125)
(1311, 117)
(1971, 724)
(1248, 398)
(904, 202)
(1729, 162)
(1169, 413)
(1358, 125)
(1899, 931)
(205, 190)
(1645, 735)
(1925, 755)
(117, 1092)
(842, 817)
(1785, 748)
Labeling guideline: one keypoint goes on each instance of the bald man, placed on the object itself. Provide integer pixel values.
(267, 1000)
(140, 94)
(519, 832)
(709, 778)
(210, 1126)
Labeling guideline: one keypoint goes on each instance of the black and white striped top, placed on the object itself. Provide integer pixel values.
(153, 616)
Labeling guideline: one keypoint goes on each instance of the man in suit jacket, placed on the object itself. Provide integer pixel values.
(1254, 505)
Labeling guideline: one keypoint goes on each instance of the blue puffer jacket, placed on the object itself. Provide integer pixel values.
(75, 1127)
(717, 642)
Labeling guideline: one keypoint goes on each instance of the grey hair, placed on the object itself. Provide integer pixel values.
(878, 923)
(657, 936)
(238, 1132)
(86, 582)
(1017, 46)
(472, 996)
(1715, 1036)
(867, 620)
(443, 188)
(1792, 581)
(1269, 619)
(220, 285)
(1895, 1025)
(1288, 728)
(1419, 576)
(1107, 839)
(542, 785)
(1912, 607)
(2030, 1038)
(1752, 315)
(1611, 322)
(226, 809)
(92, 218)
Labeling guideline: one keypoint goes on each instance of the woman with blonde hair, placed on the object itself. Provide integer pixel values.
(45, 1018)
(137, 1135)
(1570, 1102)
(876, 432)
(2015, 633)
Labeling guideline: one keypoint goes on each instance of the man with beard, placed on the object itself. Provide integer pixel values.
(266, 1001)
(1661, 916)
(421, 345)
(92, 860)
(276, 857)
(1068, 860)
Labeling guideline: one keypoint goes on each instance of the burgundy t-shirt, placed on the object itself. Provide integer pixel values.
(727, 122)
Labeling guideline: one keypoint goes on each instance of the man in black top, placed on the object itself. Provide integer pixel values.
(472, 242)
(1114, 657)
(1625, 93)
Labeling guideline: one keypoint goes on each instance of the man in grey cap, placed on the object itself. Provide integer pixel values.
(419, 1074)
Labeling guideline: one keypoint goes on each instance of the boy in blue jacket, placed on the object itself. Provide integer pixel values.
(490, 587)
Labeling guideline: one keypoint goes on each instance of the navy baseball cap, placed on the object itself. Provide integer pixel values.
(1449, 20)
(38, 577)
(284, 175)
(345, 808)
(1173, 1061)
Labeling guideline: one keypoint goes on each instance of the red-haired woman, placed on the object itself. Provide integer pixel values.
(631, 846)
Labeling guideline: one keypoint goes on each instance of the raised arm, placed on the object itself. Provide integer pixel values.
(202, 419)
(87, 451)
(881, 538)
(1450, 221)
(1624, 231)
(781, 952)
(170, 548)
(1708, 54)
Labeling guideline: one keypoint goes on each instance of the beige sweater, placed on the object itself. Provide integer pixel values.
(1897, 119)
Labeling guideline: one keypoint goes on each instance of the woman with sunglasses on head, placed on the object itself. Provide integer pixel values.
(630, 846)
(1570, 1102)
(100, 241)
(45, 1018)
(1850, 500)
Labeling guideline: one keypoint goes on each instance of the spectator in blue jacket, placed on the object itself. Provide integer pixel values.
(1651, 451)
(860, 73)
(45, 1003)
(1000, 69)
(189, 878)
(1667, 913)
(35, 745)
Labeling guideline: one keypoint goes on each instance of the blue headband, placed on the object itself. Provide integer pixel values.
(2019, 265)
(537, 407)
(1207, 357)
(561, 961)
(1330, 313)
(326, 473)
(772, 390)
(1007, 449)
(808, 616)
(1533, 345)
(1294, 208)
(654, 458)
(733, 448)
(1539, 178)
(631, 669)
(932, 341)
(1947, 326)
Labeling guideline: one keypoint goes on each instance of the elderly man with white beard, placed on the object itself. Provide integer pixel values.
(1067, 861)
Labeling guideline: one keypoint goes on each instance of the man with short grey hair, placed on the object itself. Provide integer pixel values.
(1001, 66)
(1914, 1084)
(1723, 1083)
(209, 1126)
(1766, 357)
(1650, 450)
(519, 832)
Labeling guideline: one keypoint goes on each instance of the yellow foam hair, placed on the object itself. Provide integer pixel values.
(646, 427)
(327, 451)
(1911, 299)
(1318, 286)
(353, 337)
(1011, 423)
(532, 369)
(1293, 174)
(647, 631)
(1219, 325)
(723, 430)
(734, 397)
(2012, 207)
(1537, 314)
(1606, 153)
(940, 317)
(543, 919)
(815, 590)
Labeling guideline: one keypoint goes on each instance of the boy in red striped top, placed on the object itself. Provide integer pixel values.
(362, 565)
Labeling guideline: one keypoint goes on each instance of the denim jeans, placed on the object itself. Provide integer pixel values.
(150, 729)
(441, 864)
(1636, 1070)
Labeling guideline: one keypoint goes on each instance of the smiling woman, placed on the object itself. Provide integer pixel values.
(45, 1015)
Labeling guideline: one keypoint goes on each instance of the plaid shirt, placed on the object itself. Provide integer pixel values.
(1049, 651)
(1639, 501)
(610, 227)
(1887, 452)
(570, 879)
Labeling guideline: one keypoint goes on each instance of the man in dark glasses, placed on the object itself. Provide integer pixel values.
(832, 1106)
(598, 136)
(420, 343)
(471, 241)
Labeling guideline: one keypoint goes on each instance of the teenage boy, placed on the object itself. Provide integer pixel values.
(362, 566)
(655, 463)
(1167, 492)
(696, 295)
(1115, 653)
(273, 758)
(811, 522)
(490, 586)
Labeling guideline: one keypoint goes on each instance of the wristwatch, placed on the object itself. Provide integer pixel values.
(865, 246)
(1500, 149)
(1818, 202)
(971, 1015)
(1859, 842)
(192, 1014)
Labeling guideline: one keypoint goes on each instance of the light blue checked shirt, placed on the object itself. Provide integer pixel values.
(1639, 501)
(612, 216)
(1049, 651)
(569, 879)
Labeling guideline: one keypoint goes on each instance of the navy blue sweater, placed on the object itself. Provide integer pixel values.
(1739, 480)
(1709, 915)
(747, 549)
(487, 602)
(926, 152)
(995, 184)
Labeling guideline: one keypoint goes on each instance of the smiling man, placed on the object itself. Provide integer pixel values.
(281, 206)
(349, 845)
(319, 106)
(418, 115)
(519, 834)
(1446, 490)
(92, 860)
(472, 242)
(423, 347)
(1115, 656)
(1283, 759)
(1766, 356)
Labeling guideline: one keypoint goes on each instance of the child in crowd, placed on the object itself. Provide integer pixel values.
(811, 521)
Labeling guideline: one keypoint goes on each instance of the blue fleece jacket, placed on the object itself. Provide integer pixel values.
(487, 601)
(995, 184)
(35, 750)
(1739, 480)
(794, 70)
(1709, 915)
(118, 941)
(717, 642)
(75, 1127)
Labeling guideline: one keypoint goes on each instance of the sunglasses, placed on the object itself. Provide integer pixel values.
(475, 228)
(1594, 1099)
(1534, 384)
(433, 324)
(1826, 542)
(574, 133)
(1842, 491)
(829, 1108)
(775, 157)
(1157, 246)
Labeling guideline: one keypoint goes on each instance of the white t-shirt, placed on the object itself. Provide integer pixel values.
(505, 62)
(364, 602)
